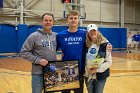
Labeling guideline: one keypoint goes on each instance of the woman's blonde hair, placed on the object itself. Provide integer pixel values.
(100, 39)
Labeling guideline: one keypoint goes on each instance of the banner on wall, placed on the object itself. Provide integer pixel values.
(1, 3)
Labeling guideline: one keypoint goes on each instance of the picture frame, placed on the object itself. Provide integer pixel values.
(61, 75)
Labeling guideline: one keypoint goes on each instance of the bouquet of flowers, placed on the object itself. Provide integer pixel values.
(95, 64)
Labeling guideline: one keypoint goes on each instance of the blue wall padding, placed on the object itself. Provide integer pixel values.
(32, 28)
(8, 38)
(21, 35)
(12, 40)
(62, 28)
(1, 3)
(59, 28)
(116, 36)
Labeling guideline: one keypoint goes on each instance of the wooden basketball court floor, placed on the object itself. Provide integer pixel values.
(15, 74)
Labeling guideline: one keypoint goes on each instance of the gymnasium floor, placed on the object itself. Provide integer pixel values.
(15, 76)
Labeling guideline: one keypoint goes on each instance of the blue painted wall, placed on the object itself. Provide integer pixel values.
(116, 36)
(11, 39)
(8, 38)
(32, 28)
(21, 35)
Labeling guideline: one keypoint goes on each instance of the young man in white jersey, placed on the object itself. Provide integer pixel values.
(129, 42)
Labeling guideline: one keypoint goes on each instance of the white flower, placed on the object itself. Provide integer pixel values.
(94, 64)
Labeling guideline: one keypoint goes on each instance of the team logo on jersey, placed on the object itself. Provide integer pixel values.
(46, 43)
(73, 39)
(92, 51)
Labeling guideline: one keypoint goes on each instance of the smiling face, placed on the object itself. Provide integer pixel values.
(93, 34)
(47, 22)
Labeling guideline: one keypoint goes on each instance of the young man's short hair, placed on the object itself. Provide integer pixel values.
(73, 12)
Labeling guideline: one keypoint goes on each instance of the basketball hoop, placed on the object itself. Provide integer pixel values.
(78, 7)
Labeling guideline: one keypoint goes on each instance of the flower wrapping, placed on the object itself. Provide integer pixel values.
(94, 64)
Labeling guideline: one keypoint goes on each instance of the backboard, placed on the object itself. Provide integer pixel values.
(78, 7)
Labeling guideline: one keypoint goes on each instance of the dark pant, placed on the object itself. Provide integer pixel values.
(79, 90)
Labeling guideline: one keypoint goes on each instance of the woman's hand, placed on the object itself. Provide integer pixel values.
(109, 47)
(92, 70)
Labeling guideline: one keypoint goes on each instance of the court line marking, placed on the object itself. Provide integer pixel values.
(124, 60)
(5, 71)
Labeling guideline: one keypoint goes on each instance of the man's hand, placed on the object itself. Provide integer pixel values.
(109, 47)
(43, 62)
